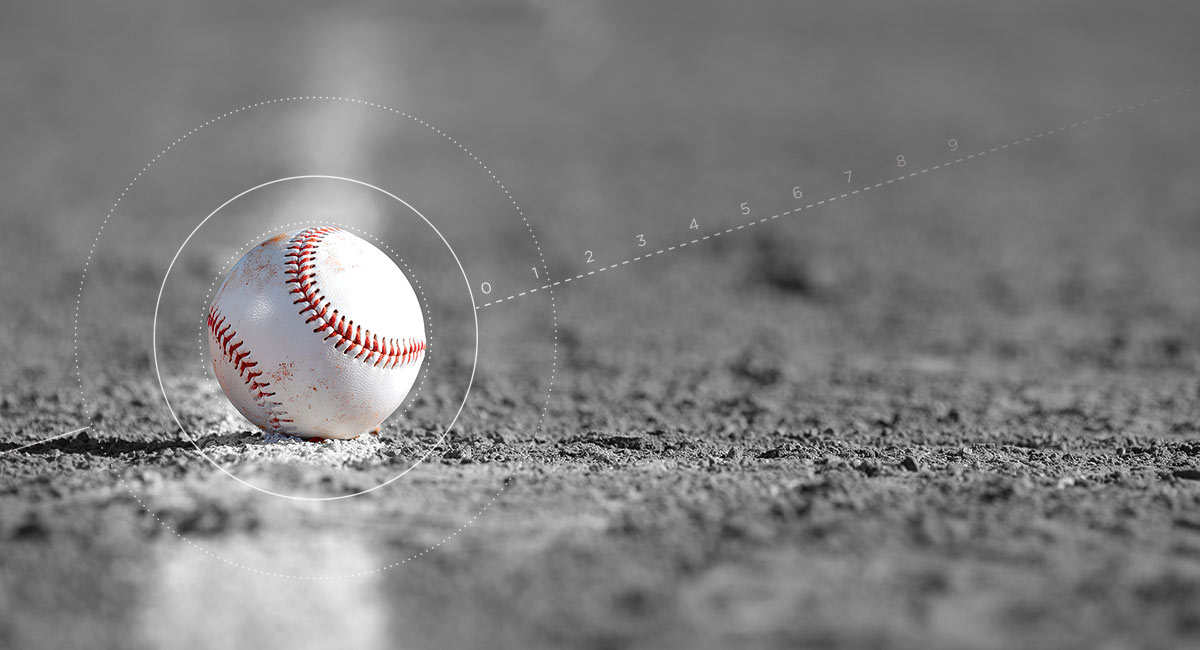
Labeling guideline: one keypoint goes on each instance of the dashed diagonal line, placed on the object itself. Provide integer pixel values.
(44, 440)
(831, 199)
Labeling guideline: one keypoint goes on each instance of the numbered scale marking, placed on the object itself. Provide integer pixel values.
(744, 208)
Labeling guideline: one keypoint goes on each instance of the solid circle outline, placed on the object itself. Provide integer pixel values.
(163, 286)
(128, 188)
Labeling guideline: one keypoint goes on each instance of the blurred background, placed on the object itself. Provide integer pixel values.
(1060, 273)
(609, 120)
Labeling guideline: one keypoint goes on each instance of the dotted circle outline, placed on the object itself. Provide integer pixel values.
(202, 329)
(300, 98)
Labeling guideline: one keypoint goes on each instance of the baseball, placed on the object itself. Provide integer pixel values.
(316, 333)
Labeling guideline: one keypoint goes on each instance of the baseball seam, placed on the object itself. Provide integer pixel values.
(238, 354)
(301, 272)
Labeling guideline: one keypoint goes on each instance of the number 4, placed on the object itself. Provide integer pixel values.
(694, 226)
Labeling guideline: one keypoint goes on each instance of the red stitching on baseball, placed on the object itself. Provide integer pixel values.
(224, 334)
(301, 271)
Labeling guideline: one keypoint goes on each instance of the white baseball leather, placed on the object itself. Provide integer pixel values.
(316, 333)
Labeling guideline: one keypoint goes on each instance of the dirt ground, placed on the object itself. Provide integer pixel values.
(962, 411)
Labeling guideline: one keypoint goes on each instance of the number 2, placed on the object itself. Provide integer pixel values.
(589, 256)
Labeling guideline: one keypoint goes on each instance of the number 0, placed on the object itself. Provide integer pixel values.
(486, 288)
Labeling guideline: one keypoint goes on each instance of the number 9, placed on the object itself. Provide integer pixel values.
(953, 144)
